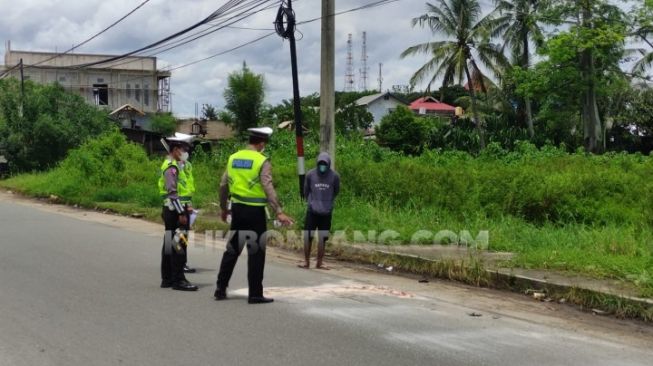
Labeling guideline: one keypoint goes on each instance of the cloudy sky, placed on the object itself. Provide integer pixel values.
(49, 25)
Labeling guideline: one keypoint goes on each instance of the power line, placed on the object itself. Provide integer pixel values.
(223, 52)
(367, 6)
(223, 24)
(371, 5)
(362, 7)
(216, 14)
(9, 70)
(93, 37)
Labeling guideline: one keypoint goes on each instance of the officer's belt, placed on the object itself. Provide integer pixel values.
(182, 199)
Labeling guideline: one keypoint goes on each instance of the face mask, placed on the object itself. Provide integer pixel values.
(184, 156)
(323, 168)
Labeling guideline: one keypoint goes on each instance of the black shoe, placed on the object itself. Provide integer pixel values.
(220, 294)
(189, 270)
(260, 300)
(166, 284)
(184, 286)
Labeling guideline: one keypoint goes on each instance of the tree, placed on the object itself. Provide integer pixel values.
(53, 122)
(644, 32)
(244, 98)
(353, 117)
(209, 112)
(163, 123)
(402, 131)
(516, 22)
(594, 44)
(468, 41)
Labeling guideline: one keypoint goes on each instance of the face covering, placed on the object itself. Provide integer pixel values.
(323, 168)
(184, 156)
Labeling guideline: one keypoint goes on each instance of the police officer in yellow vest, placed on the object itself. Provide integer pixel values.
(248, 181)
(176, 187)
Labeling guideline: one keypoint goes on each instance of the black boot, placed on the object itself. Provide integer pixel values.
(260, 300)
(188, 269)
(184, 285)
(220, 293)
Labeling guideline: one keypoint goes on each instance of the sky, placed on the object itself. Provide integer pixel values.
(49, 25)
(55, 25)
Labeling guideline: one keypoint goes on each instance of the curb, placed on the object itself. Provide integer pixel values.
(471, 271)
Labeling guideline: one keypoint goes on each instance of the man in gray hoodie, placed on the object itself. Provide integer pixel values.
(321, 187)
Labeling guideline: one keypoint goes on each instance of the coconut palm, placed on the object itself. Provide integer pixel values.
(454, 59)
(515, 21)
(646, 62)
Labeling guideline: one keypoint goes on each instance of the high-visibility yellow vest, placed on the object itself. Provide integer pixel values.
(185, 186)
(244, 170)
(190, 179)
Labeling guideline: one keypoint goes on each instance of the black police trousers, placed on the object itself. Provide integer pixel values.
(172, 262)
(248, 225)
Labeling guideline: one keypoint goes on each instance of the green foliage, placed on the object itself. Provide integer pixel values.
(164, 123)
(575, 212)
(209, 112)
(402, 131)
(285, 112)
(244, 98)
(53, 121)
(353, 117)
(107, 168)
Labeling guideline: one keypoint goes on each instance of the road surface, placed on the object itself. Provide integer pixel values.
(82, 288)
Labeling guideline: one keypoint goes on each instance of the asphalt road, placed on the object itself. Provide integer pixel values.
(76, 291)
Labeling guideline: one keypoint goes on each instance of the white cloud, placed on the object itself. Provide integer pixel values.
(57, 24)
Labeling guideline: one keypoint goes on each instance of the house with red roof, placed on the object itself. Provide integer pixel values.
(431, 106)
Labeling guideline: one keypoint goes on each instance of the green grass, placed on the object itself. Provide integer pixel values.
(572, 212)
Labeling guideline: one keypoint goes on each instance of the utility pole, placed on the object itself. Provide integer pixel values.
(285, 27)
(380, 80)
(327, 80)
(22, 88)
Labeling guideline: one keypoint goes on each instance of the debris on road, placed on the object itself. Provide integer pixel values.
(599, 312)
(475, 315)
(423, 280)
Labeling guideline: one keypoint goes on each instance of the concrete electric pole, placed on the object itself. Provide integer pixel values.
(327, 80)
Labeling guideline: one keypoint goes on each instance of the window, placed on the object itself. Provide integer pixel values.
(146, 94)
(62, 79)
(100, 80)
(137, 92)
(101, 94)
(129, 90)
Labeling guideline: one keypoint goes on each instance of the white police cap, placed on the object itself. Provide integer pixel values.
(181, 138)
(261, 132)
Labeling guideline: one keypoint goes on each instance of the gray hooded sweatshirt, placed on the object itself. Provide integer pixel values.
(321, 189)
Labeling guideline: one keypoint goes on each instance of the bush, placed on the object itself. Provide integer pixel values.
(578, 212)
(53, 121)
(402, 131)
(164, 123)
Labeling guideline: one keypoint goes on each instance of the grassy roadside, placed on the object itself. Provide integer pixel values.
(569, 212)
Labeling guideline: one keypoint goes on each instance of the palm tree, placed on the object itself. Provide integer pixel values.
(467, 41)
(646, 61)
(515, 21)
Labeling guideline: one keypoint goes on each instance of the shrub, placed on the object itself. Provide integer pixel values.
(402, 131)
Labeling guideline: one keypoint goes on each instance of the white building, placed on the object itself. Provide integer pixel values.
(380, 105)
(133, 80)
